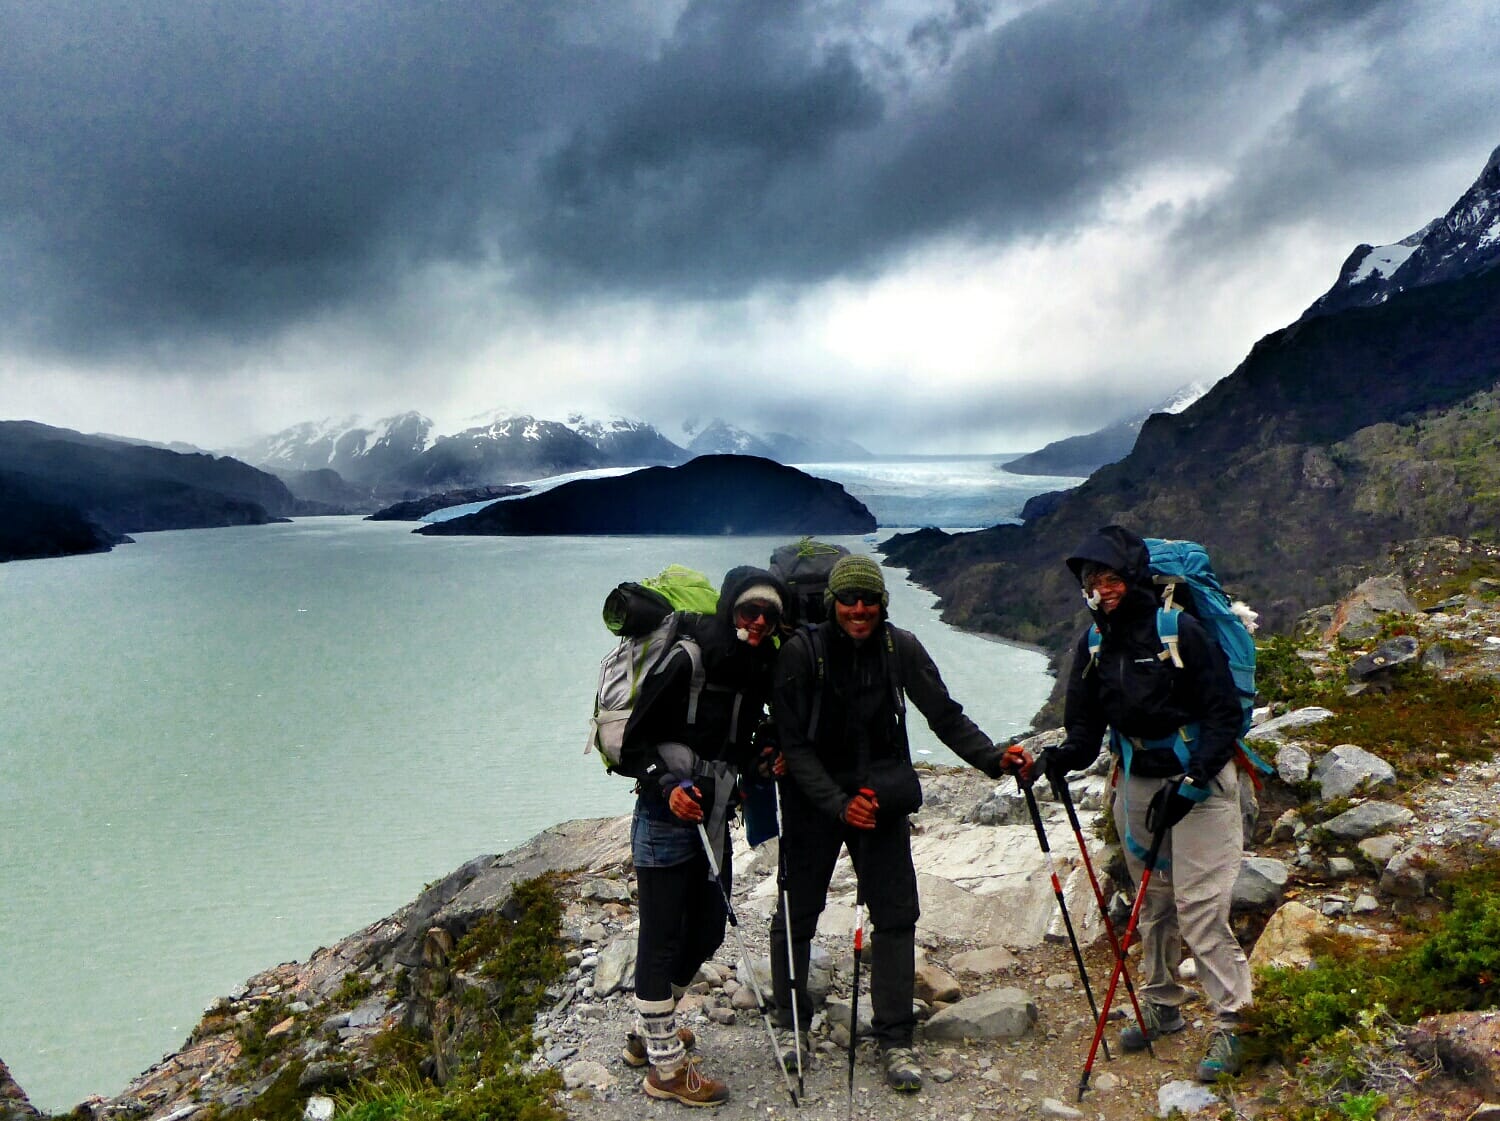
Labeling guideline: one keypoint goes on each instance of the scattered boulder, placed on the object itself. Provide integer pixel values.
(999, 1014)
(1293, 764)
(1379, 850)
(1366, 820)
(1185, 1099)
(1358, 616)
(616, 968)
(1260, 884)
(1278, 728)
(1348, 768)
(586, 1075)
(1387, 656)
(1002, 806)
(1285, 942)
(934, 983)
(991, 959)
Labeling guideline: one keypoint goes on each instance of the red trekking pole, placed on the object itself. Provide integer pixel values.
(1066, 798)
(1114, 977)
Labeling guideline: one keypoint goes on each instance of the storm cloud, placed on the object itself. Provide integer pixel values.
(188, 179)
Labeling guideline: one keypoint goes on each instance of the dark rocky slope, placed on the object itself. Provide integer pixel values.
(68, 481)
(711, 495)
(1278, 470)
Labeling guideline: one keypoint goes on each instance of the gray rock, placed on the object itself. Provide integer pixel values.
(1366, 904)
(1358, 616)
(1379, 850)
(367, 1014)
(838, 1015)
(1106, 1082)
(586, 1074)
(991, 959)
(940, 1074)
(594, 932)
(1187, 1097)
(1051, 1107)
(1406, 876)
(1260, 884)
(324, 1076)
(1000, 1014)
(318, 1108)
(607, 891)
(616, 968)
(1348, 768)
(1002, 806)
(1278, 728)
(724, 1016)
(1293, 764)
(559, 1054)
(1368, 819)
(1384, 658)
(1289, 826)
(1341, 867)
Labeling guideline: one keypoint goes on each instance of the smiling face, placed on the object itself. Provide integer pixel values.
(755, 619)
(1108, 585)
(857, 612)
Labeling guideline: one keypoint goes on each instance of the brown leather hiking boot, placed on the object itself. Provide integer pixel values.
(634, 1051)
(690, 1086)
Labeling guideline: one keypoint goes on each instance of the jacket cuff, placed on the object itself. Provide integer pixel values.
(1193, 792)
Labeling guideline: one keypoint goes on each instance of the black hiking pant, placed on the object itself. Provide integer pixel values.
(810, 844)
(682, 923)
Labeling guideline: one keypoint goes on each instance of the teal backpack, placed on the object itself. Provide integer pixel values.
(1185, 575)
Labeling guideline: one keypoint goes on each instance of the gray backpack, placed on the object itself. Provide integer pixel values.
(623, 673)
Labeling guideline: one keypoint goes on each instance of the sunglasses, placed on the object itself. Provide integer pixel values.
(755, 609)
(857, 595)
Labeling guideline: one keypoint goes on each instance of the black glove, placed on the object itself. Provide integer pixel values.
(1171, 804)
(1051, 763)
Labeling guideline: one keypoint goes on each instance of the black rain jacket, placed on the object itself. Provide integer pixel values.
(858, 721)
(1133, 690)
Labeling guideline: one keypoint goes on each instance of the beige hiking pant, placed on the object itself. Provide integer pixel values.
(1187, 900)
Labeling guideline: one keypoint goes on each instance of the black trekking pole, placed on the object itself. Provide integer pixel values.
(760, 1000)
(1066, 798)
(786, 915)
(1062, 903)
(1114, 977)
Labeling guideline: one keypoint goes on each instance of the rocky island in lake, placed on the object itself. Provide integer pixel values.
(713, 495)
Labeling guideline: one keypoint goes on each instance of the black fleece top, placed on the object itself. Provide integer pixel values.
(858, 715)
(1132, 690)
(737, 689)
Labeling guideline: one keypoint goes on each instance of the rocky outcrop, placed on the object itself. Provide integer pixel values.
(14, 1104)
(709, 496)
(61, 482)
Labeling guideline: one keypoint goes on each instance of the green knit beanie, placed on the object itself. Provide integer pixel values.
(855, 572)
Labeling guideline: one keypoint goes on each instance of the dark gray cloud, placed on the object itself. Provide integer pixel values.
(222, 171)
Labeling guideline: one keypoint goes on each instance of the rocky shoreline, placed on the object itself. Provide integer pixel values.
(1006, 1025)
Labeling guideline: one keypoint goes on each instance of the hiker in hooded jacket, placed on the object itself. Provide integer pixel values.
(1174, 733)
(840, 719)
(688, 765)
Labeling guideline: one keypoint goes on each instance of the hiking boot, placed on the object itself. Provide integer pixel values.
(1224, 1056)
(786, 1046)
(1161, 1019)
(689, 1085)
(634, 1052)
(902, 1071)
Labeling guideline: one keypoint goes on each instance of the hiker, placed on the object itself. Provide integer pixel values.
(689, 767)
(840, 719)
(1153, 711)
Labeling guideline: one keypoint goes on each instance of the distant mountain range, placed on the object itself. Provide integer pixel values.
(1370, 421)
(1083, 455)
(404, 457)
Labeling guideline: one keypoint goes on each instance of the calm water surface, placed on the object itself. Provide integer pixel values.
(222, 749)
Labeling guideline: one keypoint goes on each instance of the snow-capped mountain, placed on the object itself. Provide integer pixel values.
(719, 437)
(403, 455)
(1083, 455)
(1465, 240)
(360, 451)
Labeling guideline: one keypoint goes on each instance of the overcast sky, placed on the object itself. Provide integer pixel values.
(956, 225)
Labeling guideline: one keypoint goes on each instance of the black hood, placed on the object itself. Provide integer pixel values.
(1125, 552)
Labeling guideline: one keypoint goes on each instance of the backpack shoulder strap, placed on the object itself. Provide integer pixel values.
(1096, 640)
(820, 668)
(892, 659)
(1166, 630)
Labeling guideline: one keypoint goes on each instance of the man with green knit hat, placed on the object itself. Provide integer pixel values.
(840, 709)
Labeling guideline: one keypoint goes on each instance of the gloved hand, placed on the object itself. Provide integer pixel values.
(1014, 760)
(861, 809)
(770, 763)
(1050, 763)
(1171, 804)
(686, 801)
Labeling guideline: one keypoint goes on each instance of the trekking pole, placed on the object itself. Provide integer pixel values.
(786, 915)
(1114, 977)
(859, 946)
(1066, 798)
(760, 1000)
(1062, 903)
